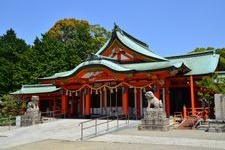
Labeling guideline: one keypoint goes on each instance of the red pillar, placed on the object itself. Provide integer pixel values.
(103, 100)
(157, 93)
(167, 98)
(54, 105)
(125, 100)
(72, 104)
(64, 104)
(87, 102)
(192, 95)
(81, 102)
(138, 101)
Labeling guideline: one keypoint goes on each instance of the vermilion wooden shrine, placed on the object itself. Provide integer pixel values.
(114, 80)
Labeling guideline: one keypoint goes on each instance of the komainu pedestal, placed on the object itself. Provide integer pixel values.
(155, 117)
(32, 115)
(155, 120)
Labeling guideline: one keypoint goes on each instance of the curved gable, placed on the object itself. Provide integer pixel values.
(126, 48)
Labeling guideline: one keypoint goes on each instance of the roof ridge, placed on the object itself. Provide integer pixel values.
(37, 85)
(141, 43)
(192, 54)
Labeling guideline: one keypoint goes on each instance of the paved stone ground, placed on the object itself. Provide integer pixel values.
(65, 129)
(65, 134)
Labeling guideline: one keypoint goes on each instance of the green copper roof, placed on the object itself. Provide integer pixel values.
(36, 89)
(199, 63)
(154, 66)
(194, 64)
(116, 67)
(101, 62)
(132, 43)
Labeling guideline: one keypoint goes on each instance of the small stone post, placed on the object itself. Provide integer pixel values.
(185, 112)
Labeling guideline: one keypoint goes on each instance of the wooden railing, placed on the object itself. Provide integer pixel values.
(201, 112)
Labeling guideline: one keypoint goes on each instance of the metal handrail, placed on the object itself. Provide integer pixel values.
(53, 113)
(96, 124)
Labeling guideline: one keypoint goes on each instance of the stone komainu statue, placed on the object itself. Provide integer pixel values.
(152, 100)
(32, 115)
(32, 106)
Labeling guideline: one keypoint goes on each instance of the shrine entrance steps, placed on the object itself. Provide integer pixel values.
(192, 122)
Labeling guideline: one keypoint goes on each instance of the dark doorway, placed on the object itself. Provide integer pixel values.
(178, 98)
(95, 103)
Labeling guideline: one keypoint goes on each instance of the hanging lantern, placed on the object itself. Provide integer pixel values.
(96, 91)
(76, 94)
(85, 91)
(116, 90)
(70, 93)
(111, 90)
(123, 89)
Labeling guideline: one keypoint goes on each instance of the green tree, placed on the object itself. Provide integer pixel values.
(66, 45)
(12, 50)
(212, 84)
(9, 106)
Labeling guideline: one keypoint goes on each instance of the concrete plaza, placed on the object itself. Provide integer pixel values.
(65, 134)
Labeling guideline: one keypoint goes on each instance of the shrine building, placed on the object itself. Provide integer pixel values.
(113, 81)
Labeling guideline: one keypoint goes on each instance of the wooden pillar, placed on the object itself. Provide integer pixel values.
(72, 104)
(54, 105)
(103, 101)
(141, 102)
(87, 102)
(138, 92)
(64, 104)
(167, 96)
(184, 112)
(157, 93)
(192, 95)
(125, 100)
(81, 102)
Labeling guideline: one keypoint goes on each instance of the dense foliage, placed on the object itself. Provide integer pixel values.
(12, 67)
(63, 47)
(9, 106)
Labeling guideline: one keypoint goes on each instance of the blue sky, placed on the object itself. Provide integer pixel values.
(169, 27)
